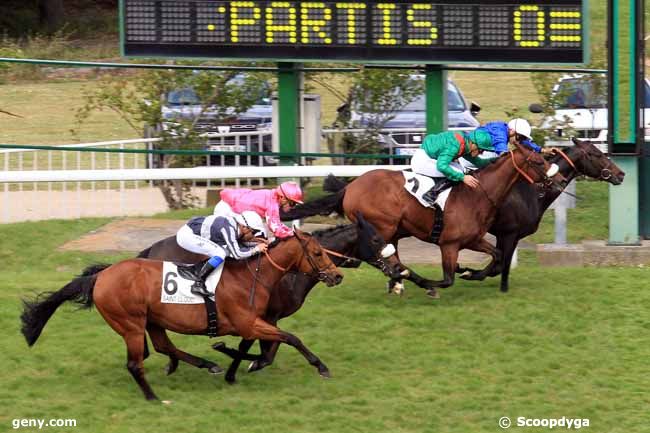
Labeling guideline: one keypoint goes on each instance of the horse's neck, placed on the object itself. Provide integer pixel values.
(498, 181)
(565, 170)
(341, 242)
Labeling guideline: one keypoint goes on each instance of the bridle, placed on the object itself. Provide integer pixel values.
(605, 173)
(319, 274)
(546, 181)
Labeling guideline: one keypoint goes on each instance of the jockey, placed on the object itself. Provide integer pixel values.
(451, 154)
(438, 158)
(265, 202)
(517, 131)
(220, 237)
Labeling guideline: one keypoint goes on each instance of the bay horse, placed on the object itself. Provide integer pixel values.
(127, 295)
(380, 196)
(352, 242)
(519, 216)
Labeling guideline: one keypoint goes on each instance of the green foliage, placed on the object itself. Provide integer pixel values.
(378, 94)
(139, 102)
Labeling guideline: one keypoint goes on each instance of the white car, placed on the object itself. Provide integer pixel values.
(581, 106)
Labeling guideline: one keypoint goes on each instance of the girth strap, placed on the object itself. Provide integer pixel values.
(211, 309)
(438, 226)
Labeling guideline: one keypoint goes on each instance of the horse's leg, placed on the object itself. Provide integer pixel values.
(231, 374)
(262, 330)
(449, 262)
(396, 285)
(135, 360)
(509, 245)
(163, 344)
(269, 349)
(483, 246)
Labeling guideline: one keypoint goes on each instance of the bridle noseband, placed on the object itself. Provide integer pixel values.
(605, 173)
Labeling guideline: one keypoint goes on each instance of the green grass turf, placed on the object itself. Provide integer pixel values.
(564, 342)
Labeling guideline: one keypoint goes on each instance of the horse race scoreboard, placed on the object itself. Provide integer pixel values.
(528, 31)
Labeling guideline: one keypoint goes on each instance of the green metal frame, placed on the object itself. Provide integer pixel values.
(624, 142)
(436, 99)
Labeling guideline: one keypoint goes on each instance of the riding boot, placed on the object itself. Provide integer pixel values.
(198, 288)
(441, 184)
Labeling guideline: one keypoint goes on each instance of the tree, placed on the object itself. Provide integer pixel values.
(379, 94)
(139, 103)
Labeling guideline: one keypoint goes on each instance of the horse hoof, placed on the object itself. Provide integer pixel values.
(433, 294)
(218, 346)
(166, 401)
(230, 380)
(253, 366)
(170, 368)
(215, 369)
(325, 374)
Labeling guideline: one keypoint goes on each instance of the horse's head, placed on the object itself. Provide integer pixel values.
(374, 249)
(314, 261)
(591, 162)
(534, 168)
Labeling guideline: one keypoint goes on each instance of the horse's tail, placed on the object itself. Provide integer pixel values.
(38, 311)
(333, 184)
(321, 206)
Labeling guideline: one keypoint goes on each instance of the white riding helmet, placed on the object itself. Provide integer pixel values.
(521, 127)
(252, 220)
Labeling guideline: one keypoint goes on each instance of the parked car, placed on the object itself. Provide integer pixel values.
(256, 122)
(580, 103)
(460, 114)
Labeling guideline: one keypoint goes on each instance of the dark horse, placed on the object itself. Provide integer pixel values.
(360, 241)
(379, 195)
(519, 216)
(127, 294)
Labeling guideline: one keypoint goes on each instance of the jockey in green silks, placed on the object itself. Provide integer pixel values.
(438, 158)
(439, 154)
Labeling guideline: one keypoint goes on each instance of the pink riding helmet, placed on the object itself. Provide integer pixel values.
(292, 191)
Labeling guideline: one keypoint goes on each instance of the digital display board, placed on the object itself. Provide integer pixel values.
(409, 31)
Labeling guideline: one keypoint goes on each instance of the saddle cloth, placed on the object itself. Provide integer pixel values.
(418, 184)
(176, 289)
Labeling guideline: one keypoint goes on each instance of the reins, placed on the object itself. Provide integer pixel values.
(519, 170)
(564, 155)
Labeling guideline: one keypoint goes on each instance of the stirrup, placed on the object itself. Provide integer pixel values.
(199, 289)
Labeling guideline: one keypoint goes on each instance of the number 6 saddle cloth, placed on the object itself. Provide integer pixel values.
(176, 287)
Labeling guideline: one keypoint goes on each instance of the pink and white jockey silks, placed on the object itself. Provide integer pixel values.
(265, 202)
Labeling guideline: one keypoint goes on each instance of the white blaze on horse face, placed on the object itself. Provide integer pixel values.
(388, 251)
(553, 170)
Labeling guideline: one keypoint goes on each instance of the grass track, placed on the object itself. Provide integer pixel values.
(566, 342)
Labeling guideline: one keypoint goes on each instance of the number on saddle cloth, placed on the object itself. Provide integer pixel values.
(418, 185)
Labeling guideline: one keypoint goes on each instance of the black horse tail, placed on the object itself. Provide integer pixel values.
(321, 206)
(37, 312)
(334, 184)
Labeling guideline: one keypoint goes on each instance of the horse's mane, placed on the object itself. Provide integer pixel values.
(331, 230)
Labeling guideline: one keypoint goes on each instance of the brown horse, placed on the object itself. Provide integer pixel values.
(360, 240)
(379, 195)
(127, 294)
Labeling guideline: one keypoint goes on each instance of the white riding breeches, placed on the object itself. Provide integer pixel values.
(223, 209)
(191, 242)
(421, 163)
